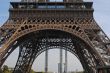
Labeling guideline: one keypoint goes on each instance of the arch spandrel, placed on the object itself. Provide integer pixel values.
(77, 31)
(66, 28)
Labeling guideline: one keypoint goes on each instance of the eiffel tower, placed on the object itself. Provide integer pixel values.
(38, 25)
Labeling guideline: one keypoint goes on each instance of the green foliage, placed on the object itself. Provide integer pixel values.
(1, 70)
(6, 69)
(32, 71)
(81, 72)
(39, 72)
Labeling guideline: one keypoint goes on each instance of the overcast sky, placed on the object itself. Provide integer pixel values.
(101, 15)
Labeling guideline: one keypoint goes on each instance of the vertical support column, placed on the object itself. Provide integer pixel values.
(66, 62)
(61, 60)
(46, 61)
(58, 67)
(46, 54)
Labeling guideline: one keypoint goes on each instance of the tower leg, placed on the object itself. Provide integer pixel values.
(27, 55)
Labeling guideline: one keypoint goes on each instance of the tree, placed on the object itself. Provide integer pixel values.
(6, 69)
(1, 70)
(32, 71)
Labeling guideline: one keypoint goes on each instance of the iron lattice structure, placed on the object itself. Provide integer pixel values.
(38, 25)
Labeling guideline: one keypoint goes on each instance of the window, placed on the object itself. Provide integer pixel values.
(55, 0)
(41, 6)
(56, 6)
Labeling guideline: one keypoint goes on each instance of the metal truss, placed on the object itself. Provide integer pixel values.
(35, 29)
(34, 46)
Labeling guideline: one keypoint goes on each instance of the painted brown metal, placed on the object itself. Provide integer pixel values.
(73, 20)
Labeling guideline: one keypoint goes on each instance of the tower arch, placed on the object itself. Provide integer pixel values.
(31, 22)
